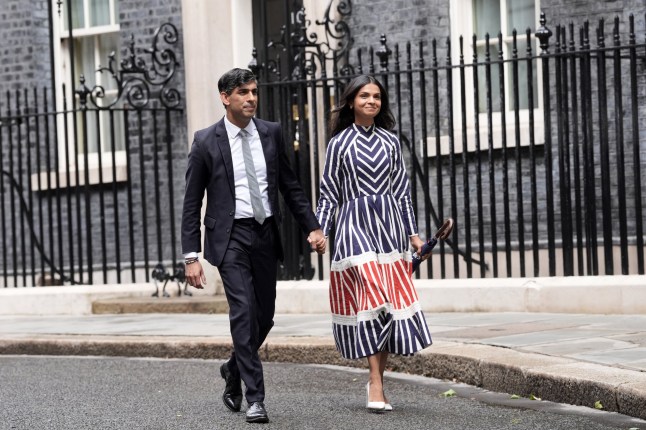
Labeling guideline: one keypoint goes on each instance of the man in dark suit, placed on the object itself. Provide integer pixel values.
(241, 163)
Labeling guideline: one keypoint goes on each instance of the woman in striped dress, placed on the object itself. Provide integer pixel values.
(375, 308)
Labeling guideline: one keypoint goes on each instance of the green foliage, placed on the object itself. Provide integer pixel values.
(449, 393)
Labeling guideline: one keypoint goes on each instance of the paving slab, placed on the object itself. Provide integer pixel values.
(580, 346)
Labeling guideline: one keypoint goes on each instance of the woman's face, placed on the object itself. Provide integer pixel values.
(366, 104)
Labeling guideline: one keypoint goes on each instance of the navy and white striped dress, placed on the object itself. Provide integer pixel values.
(374, 304)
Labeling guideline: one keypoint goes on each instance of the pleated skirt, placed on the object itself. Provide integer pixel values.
(375, 306)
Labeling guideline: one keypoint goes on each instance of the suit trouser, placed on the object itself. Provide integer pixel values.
(248, 273)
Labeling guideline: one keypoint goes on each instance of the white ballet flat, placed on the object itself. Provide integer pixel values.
(373, 406)
(388, 407)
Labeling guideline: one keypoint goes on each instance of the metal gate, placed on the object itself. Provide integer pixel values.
(89, 187)
(547, 189)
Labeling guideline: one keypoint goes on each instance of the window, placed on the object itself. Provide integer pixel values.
(479, 17)
(504, 15)
(94, 36)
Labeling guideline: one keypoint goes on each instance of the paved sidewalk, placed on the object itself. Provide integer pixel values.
(570, 358)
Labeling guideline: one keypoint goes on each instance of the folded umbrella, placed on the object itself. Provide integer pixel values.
(444, 232)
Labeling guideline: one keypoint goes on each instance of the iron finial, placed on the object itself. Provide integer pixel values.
(383, 53)
(253, 64)
(83, 91)
(543, 34)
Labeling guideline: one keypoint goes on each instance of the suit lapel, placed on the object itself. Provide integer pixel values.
(222, 140)
(268, 150)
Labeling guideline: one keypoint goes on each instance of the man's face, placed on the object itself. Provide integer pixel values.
(241, 103)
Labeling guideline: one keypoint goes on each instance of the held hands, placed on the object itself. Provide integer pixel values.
(317, 241)
(195, 275)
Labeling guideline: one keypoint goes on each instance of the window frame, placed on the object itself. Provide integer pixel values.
(462, 24)
(61, 38)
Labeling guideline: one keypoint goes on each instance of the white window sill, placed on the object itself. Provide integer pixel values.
(120, 175)
(497, 131)
(91, 31)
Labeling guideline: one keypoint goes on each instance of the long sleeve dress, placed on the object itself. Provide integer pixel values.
(374, 304)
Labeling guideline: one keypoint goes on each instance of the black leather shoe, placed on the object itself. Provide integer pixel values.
(257, 413)
(232, 396)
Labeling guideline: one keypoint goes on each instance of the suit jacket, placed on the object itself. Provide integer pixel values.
(210, 168)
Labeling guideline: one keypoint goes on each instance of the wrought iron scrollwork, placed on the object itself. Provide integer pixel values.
(310, 54)
(138, 80)
(337, 31)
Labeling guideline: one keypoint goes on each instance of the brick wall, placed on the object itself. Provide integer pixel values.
(25, 65)
(24, 46)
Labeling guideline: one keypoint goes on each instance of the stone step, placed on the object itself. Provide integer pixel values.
(162, 305)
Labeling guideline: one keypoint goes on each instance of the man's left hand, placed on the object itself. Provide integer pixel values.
(317, 241)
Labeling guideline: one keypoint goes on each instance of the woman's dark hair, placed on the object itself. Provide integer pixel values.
(342, 116)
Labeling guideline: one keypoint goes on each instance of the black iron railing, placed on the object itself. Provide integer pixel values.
(537, 152)
(88, 188)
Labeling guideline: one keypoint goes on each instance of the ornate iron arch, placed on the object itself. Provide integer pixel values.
(310, 54)
(140, 81)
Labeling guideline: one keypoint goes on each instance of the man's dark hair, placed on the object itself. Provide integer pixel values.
(233, 79)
